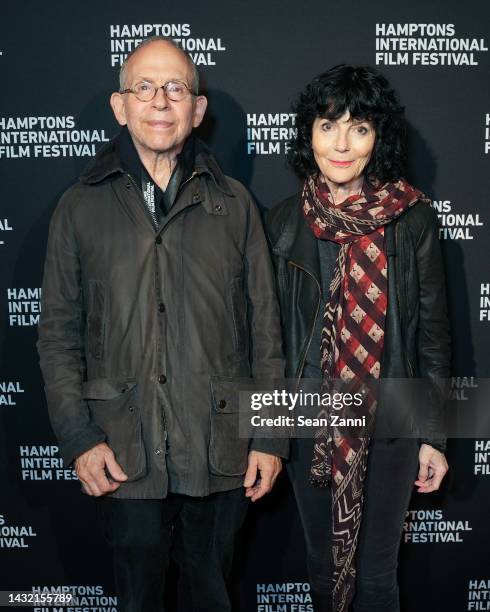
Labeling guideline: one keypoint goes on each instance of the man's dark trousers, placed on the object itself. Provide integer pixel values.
(198, 533)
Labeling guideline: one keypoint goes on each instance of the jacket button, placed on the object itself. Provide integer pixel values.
(218, 208)
(158, 240)
(158, 451)
(131, 409)
(196, 197)
(222, 404)
(162, 379)
(161, 307)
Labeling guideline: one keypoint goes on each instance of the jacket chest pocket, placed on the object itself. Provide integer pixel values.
(96, 318)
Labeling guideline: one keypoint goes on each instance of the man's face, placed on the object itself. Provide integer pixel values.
(160, 125)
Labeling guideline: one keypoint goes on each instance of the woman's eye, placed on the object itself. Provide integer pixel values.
(362, 130)
(326, 126)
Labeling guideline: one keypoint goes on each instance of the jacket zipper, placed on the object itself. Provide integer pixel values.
(305, 351)
(142, 200)
(409, 363)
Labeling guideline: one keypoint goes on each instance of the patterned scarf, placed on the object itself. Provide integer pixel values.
(351, 348)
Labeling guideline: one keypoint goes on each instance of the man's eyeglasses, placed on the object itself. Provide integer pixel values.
(145, 91)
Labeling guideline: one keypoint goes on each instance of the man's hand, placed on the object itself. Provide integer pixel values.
(433, 468)
(269, 466)
(92, 466)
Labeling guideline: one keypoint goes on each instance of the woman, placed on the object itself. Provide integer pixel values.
(361, 287)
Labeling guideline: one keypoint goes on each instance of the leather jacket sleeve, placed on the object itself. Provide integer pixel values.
(433, 337)
(60, 344)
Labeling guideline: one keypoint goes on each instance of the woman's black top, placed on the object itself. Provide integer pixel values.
(327, 252)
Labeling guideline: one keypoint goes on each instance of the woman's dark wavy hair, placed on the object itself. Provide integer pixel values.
(367, 95)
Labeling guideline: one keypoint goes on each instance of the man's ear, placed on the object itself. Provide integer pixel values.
(200, 106)
(117, 105)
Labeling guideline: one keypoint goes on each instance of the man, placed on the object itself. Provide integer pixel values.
(158, 291)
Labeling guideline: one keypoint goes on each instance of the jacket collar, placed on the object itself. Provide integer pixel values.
(107, 162)
(296, 242)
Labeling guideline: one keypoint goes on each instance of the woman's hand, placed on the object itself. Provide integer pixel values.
(433, 468)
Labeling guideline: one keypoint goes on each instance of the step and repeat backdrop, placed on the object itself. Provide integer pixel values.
(59, 63)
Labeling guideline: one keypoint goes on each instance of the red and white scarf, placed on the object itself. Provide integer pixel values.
(351, 347)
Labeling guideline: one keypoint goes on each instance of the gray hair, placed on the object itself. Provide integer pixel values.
(147, 41)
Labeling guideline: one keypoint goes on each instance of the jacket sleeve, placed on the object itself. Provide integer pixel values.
(433, 336)
(60, 341)
(264, 322)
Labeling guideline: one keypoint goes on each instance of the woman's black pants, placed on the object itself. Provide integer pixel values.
(391, 472)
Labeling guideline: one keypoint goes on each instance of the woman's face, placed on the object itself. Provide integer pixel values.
(342, 148)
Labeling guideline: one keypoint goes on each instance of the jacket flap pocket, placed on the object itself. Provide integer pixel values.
(224, 392)
(228, 450)
(106, 388)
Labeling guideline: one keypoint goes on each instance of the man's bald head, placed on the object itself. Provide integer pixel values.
(149, 41)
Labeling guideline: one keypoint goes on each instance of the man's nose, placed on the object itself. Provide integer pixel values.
(160, 100)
